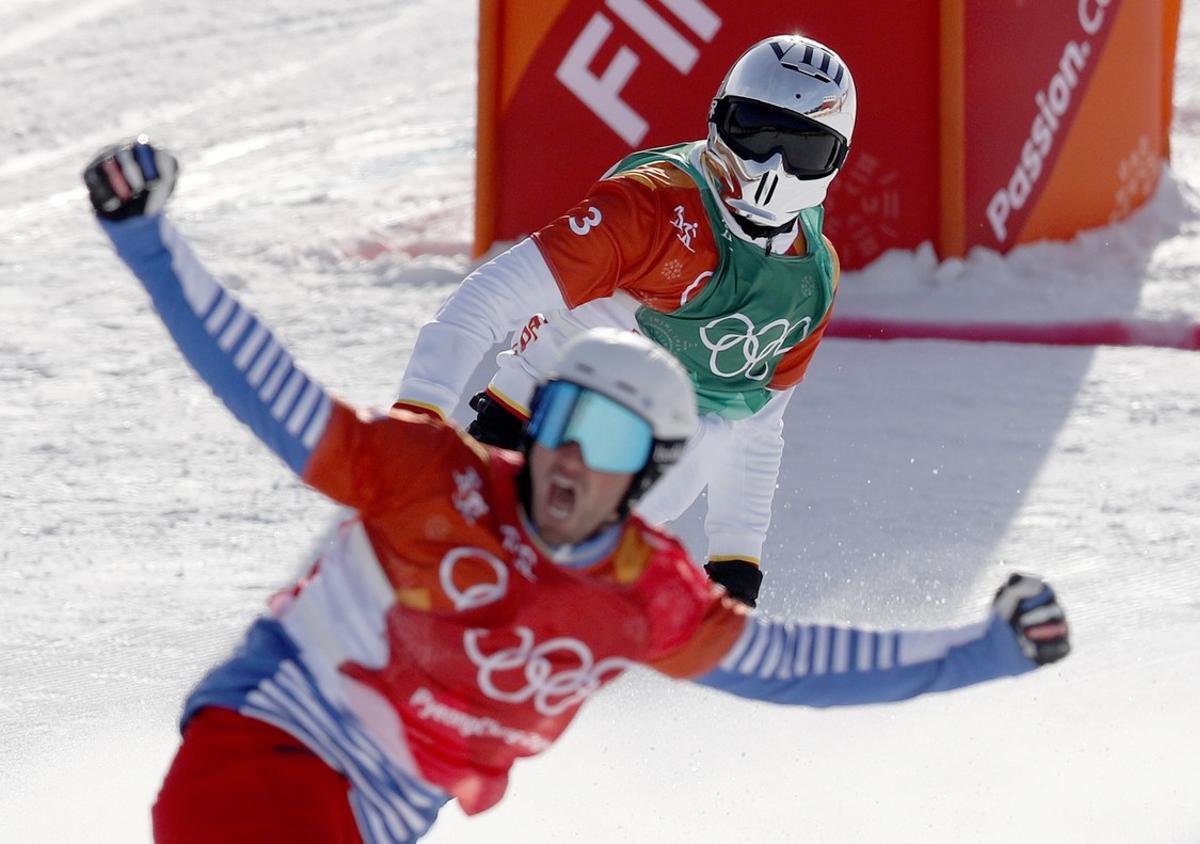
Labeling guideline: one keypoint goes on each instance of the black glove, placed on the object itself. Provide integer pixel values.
(495, 424)
(1032, 609)
(741, 579)
(130, 179)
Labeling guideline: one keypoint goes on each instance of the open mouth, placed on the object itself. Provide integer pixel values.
(560, 498)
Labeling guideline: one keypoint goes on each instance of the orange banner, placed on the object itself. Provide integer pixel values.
(1067, 132)
(979, 123)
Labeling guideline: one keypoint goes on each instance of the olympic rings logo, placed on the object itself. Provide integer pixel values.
(477, 594)
(552, 692)
(757, 346)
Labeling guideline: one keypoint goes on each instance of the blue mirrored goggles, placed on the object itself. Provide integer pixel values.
(611, 436)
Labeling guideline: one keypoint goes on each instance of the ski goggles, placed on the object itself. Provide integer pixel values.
(757, 131)
(611, 436)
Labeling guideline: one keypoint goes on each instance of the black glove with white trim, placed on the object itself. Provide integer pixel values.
(130, 179)
(1031, 607)
(741, 579)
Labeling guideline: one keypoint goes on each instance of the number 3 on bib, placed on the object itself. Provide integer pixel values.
(582, 226)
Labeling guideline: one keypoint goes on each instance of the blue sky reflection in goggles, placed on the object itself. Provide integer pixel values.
(611, 436)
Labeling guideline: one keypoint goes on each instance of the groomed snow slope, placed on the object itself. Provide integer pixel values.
(328, 159)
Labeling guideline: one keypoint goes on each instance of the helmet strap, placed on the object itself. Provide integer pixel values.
(641, 482)
(755, 231)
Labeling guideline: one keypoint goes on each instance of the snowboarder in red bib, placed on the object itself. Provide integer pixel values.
(478, 596)
(714, 250)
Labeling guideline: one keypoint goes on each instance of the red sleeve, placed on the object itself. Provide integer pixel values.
(644, 232)
(369, 460)
(717, 632)
(695, 623)
(792, 368)
(794, 365)
(611, 235)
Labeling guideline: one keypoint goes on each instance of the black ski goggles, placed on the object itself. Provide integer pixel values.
(757, 131)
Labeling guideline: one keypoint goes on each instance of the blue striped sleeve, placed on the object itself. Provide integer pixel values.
(817, 665)
(224, 342)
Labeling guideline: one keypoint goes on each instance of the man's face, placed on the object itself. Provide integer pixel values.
(571, 501)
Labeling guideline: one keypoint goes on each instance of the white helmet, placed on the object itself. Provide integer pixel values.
(636, 372)
(647, 383)
(780, 127)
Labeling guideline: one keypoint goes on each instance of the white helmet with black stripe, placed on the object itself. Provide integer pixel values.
(780, 128)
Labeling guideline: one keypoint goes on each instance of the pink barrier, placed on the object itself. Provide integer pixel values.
(1167, 335)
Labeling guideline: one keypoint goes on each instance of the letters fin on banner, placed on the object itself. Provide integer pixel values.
(602, 94)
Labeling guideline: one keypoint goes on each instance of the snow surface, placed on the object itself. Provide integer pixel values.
(328, 154)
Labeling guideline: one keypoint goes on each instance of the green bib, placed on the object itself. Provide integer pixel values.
(753, 310)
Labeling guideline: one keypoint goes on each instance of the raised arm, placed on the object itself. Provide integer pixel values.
(224, 342)
(817, 665)
(321, 439)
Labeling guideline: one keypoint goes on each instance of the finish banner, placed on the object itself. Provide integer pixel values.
(979, 123)
(1065, 117)
(569, 87)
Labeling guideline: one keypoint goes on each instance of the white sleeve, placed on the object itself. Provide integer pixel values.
(491, 302)
(741, 487)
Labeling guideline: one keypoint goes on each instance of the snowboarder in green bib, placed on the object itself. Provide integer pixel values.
(714, 250)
